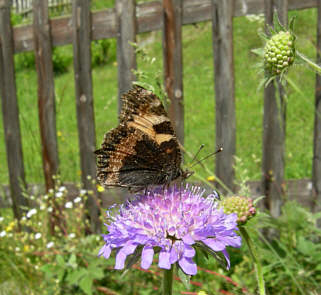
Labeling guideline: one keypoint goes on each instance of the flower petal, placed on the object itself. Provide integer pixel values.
(187, 239)
(189, 251)
(122, 255)
(214, 244)
(147, 257)
(164, 260)
(188, 266)
(227, 257)
(105, 251)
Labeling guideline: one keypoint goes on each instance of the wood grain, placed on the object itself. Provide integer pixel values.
(126, 34)
(81, 24)
(10, 113)
(173, 63)
(222, 13)
(46, 91)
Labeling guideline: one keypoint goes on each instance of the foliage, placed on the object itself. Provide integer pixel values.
(103, 52)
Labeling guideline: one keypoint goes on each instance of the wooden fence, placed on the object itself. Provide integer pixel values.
(123, 22)
(24, 7)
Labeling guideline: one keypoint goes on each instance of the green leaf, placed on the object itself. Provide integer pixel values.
(60, 260)
(85, 284)
(186, 279)
(72, 261)
(76, 275)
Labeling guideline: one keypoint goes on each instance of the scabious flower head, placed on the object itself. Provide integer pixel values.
(279, 52)
(172, 222)
(240, 205)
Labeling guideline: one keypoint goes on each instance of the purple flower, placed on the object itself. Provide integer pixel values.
(172, 222)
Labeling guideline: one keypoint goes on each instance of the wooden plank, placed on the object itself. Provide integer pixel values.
(316, 164)
(222, 13)
(149, 18)
(126, 57)
(46, 91)
(273, 147)
(84, 104)
(10, 112)
(173, 63)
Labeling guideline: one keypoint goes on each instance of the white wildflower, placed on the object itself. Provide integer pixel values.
(59, 194)
(37, 236)
(49, 209)
(31, 212)
(62, 189)
(77, 200)
(50, 244)
(3, 234)
(68, 205)
(83, 192)
(72, 235)
(1, 218)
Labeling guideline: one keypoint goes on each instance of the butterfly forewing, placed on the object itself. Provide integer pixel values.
(143, 149)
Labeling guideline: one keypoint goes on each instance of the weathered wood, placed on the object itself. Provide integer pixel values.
(224, 90)
(316, 164)
(46, 91)
(126, 34)
(10, 113)
(149, 18)
(84, 104)
(173, 63)
(273, 147)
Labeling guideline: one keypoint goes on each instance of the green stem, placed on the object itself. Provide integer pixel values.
(254, 255)
(168, 281)
(313, 65)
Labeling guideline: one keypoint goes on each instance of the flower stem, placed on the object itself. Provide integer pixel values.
(311, 64)
(168, 281)
(254, 255)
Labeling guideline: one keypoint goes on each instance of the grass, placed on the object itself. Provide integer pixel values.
(199, 102)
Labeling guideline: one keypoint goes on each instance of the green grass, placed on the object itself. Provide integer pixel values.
(199, 102)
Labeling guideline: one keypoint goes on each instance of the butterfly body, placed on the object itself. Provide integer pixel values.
(143, 150)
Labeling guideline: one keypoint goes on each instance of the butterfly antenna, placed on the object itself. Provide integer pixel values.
(195, 156)
(211, 154)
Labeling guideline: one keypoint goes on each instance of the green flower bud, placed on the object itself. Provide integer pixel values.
(279, 53)
(242, 206)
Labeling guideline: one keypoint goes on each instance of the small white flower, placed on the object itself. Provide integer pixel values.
(45, 197)
(49, 209)
(50, 244)
(31, 212)
(1, 218)
(77, 200)
(17, 249)
(59, 194)
(51, 191)
(37, 236)
(39, 223)
(10, 235)
(3, 234)
(23, 218)
(62, 189)
(42, 207)
(68, 205)
(83, 192)
(32, 197)
(72, 235)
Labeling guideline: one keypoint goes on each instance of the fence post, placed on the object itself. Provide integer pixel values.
(316, 165)
(126, 57)
(222, 17)
(10, 112)
(46, 91)
(173, 63)
(273, 148)
(81, 22)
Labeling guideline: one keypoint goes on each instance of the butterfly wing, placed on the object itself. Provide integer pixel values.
(143, 149)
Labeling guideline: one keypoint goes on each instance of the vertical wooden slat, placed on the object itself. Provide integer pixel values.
(273, 148)
(222, 14)
(81, 21)
(126, 57)
(46, 91)
(10, 111)
(316, 165)
(173, 63)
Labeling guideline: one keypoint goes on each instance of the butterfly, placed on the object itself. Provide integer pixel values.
(143, 150)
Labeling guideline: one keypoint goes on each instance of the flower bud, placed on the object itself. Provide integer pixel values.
(279, 52)
(242, 206)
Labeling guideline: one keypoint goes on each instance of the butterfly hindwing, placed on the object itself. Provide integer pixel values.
(143, 149)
